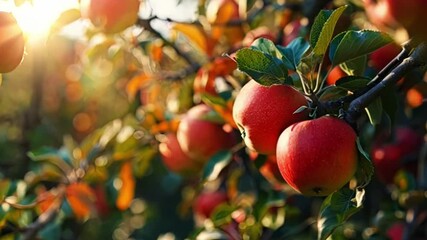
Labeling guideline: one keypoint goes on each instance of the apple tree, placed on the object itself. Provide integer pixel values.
(255, 119)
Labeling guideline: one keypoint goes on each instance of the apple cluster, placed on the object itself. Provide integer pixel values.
(315, 156)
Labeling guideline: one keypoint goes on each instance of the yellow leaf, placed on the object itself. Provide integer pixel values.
(135, 84)
(195, 34)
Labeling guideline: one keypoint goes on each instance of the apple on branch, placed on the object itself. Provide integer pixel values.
(263, 112)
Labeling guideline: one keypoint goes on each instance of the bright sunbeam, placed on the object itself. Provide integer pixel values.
(37, 17)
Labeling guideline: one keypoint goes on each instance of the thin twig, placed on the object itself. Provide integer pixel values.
(146, 24)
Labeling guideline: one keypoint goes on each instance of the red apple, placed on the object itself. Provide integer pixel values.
(378, 13)
(387, 163)
(394, 13)
(111, 16)
(335, 74)
(174, 159)
(206, 202)
(101, 203)
(408, 140)
(199, 137)
(317, 157)
(12, 43)
(291, 31)
(262, 113)
(395, 231)
(411, 15)
(382, 56)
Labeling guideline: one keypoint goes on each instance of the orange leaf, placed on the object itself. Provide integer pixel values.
(204, 82)
(195, 34)
(226, 113)
(81, 199)
(156, 51)
(45, 199)
(135, 84)
(221, 12)
(127, 190)
(223, 66)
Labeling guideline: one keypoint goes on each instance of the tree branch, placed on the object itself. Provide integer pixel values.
(45, 218)
(146, 24)
(416, 59)
(333, 104)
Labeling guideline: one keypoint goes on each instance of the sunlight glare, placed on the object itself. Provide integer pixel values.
(36, 19)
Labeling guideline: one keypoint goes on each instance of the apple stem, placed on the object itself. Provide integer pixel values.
(416, 59)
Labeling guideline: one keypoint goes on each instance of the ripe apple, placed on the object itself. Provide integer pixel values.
(206, 202)
(292, 31)
(378, 13)
(101, 203)
(382, 56)
(386, 161)
(12, 43)
(408, 140)
(111, 16)
(396, 231)
(395, 13)
(174, 159)
(199, 137)
(411, 15)
(262, 113)
(335, 74)
(317, 157)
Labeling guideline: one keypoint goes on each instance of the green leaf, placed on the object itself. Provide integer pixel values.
(212, 99)
(4, 188)
(51, 231)
(353, 44)
(323, 29)
(292, 54)
(352, 83)
(51, 156)
(266, 46)
(142, 160)
(374, 111)
(333, 93)
(216, 164)
(356, 66)
(263, 68)
(365, 169)
(336, 209)
(222, 214)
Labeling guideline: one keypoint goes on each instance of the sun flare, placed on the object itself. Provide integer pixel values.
(37, 17)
